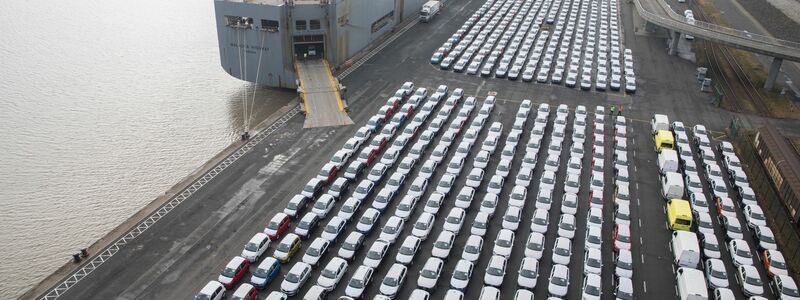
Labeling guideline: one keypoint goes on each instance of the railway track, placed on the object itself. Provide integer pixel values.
(736, 89)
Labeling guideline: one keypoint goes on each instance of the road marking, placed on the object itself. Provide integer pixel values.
(638, 203)
(640, 220)
(640, 239)
(644, 286)
(642, 258)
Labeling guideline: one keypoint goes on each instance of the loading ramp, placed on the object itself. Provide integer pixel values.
(320, 93)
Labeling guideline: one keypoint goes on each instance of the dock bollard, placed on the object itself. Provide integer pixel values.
(76, 258)
(84, 253)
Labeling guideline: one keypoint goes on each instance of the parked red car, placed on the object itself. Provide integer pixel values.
(278, 225)
(234, 271)
(327, 173)
(245, 292)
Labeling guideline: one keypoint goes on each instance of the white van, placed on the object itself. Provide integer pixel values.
(685, 249)
(672, 186)
(659, 122)
(691, 284)
(668, 161)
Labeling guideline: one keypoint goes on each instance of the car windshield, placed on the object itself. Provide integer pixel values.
(356, 283)
(593, 262)
(561, 251)
(429, 273)
(293, 278)
(718, 274)
(711, 246)
(557, 280)
(547, 180)
(390, 281)
(374, 255)
(381, 199)
(407, 251)
(503, 243)
(461, 275)
(318, 205)
(389, 229)
(512, 218)
(348, 246)
(624, 265)
(393, 182)
(308, 188)
(262, 273)
(352, 169)
(273, 225)
(404, 207)
(433, 203)
(592, 290)
(366, 220)
(495, 271)
(744, 253)
(442, 245)
(416, 188)
(595, 219)
(777, 264)
(283, 247)
(328, 273)
(768, 239)
(734, 228)
(572, 184)
(251, 247)
(331, 229)
(753, 280)
(790, 291)
(292, 205)
(543, 199)
(540, 221)
(376, 172)
(229, 272)
(454, 219)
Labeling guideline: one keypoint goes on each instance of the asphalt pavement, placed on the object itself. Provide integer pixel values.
(190, 246)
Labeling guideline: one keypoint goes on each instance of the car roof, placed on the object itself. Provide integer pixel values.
(243, 290)
(299, 267)
(235, 262)
(318, 242)
(396, 269)
(211, 287)
(258, 237)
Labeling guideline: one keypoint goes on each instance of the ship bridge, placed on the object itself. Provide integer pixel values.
(320, 92)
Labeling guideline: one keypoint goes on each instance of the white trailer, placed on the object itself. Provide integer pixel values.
(429, 9)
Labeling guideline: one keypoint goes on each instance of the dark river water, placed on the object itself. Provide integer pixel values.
(104, 105)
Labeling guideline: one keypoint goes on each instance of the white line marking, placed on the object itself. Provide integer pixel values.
(642, 258)
(644, 286)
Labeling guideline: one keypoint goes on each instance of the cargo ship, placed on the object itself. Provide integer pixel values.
(260, 41)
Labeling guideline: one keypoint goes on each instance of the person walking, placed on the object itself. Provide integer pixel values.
(619, 112)
(612, 109)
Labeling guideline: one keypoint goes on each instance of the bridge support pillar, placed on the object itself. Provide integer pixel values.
(774, 69)
(673, 43)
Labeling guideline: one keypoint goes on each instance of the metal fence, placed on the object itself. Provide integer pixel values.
(778, 218)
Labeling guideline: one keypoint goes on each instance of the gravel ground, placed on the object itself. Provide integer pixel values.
(774, 19)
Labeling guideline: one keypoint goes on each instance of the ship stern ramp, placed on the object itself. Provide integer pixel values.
(320, 93)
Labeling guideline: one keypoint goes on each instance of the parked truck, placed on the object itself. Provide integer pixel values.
(429, 9)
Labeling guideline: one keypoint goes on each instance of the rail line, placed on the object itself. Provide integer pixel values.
(715, 53)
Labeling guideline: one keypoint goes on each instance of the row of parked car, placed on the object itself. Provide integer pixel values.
(515, 38)
(687, 246)
(290, 243)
